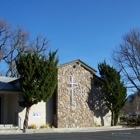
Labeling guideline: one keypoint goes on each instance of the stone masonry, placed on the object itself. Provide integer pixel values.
(75, 112)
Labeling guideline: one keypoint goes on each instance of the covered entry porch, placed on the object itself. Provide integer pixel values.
(9, 108)
(9, 97)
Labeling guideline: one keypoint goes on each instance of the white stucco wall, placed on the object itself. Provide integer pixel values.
(38, 109)
(106, 119)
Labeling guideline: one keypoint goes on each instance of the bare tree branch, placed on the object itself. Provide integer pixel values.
(15, 41)
(126, 58)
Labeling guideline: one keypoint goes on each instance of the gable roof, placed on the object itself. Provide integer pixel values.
(78, 61)
(7, 79)
(7, 84)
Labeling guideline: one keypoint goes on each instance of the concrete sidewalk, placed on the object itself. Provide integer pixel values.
(65, 130)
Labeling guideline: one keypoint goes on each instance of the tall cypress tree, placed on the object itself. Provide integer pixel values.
(114, 92)
(38, 79)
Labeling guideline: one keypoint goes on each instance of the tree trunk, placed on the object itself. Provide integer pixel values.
(25, 125)
(112, 118)
(116, 116)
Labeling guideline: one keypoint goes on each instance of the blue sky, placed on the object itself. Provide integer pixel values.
(81, 29)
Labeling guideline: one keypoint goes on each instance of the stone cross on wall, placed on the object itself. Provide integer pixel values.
(72, 84)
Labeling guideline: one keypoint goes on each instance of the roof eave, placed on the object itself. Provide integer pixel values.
(81, 63)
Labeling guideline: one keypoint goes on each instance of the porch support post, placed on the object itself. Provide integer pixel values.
(5, 110)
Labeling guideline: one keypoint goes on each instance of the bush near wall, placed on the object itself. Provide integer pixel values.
(32, 126)
(131, 120)
(46, 126)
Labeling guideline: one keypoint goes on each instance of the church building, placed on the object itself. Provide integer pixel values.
(76, 102)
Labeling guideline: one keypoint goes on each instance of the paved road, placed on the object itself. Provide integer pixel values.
(103, 135)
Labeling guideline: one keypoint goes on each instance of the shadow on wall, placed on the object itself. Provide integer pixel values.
(96, 103)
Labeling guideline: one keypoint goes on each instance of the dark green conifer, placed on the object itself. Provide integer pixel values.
(114, 92)
(38, 78)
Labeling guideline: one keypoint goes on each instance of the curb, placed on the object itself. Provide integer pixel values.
(69, 130)
(65, 130)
